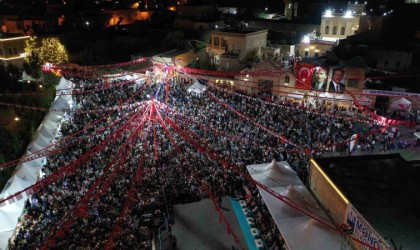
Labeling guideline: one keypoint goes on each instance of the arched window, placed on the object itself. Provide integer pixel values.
(343, 30)
(327, 29)
(335, 30)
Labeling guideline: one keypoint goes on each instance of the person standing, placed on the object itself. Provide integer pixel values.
(336, 85)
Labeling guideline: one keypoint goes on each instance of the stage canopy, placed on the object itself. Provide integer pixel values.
(197, 88)
(298, 230)
(402, 104)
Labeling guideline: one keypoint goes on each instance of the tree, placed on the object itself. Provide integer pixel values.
(52, 51)
(45, 50)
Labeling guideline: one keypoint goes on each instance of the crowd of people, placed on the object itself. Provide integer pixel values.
(130, 164)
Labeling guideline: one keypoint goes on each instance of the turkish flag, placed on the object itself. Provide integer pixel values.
(303, 75)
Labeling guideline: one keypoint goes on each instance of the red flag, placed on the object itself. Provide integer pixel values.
(303, 75)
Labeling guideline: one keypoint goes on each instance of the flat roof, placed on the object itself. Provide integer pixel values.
(385, 189)
(239, 31)
(173, 53)
(4, 36)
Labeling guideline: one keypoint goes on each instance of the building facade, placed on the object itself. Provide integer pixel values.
(339, 26)
(229, 46)
(12, 49)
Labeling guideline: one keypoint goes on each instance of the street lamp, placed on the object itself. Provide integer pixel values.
(17, 119)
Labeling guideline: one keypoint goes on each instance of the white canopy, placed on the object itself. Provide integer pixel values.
(27, 172)
(34, 147)
(295, 94)
(53, 116)
(364, 100)
(4, 238)
(326, 95)
(48, 132)
(14, 185)
(402, 104)
(26, 77)
(9, 215)
(50, 125)
(344, 98)
(63, 85)
(61, 102)
(298, 230)
(197, 88)
(43, 141)
(35, 162)
(417, 134)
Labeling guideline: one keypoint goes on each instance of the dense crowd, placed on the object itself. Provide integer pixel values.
(150, 175)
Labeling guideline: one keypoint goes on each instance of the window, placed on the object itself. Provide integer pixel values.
(286, 79)
(224, 42)
(334, 30)
(343, 31)
(398, 65)
(15, 50)
(1, 52)
(386, 64)
(10, 52)
(316, 54)
(306, 53)
(216, 41)
(353, 83)
(327, 29)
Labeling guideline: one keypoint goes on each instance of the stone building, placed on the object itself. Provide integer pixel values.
(230, 48)
(12, 49)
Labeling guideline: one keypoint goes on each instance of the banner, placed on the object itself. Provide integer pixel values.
(389, 93)
(363, 231)
(303, 75)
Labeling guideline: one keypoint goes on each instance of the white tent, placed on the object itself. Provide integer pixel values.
(402, 104)
(43, 141)
(9, 215)
(363, 100)
(4, 238)
(14, 185)
(344, 98)
(34, 147)
(27, 172)
(63, 85)
(326, 95)
(197, 88)
(271, 174)
(35, 162)
(60, 103)
(417, 134)
(26, 77)
(298, 230)
(50, 125)
(295, 94)
(47, 132)
(53, 116)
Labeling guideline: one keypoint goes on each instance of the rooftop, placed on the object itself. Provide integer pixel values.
(385, 190)
(239, 30)
(4, 36)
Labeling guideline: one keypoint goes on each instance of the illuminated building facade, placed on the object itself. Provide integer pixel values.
(12, 49)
